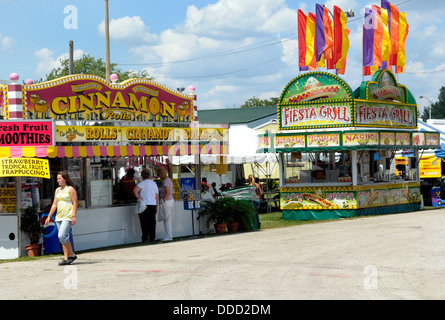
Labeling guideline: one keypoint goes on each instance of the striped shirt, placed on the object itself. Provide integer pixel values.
(64, 205)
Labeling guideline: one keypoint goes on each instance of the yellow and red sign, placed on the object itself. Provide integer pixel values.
(86, 97)
(289, 141)
(24, 167)
(430, 167)
(139, 134)
(323, 140)
(360, 138)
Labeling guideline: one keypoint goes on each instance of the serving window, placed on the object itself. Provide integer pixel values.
(99, 181)
(317, 167)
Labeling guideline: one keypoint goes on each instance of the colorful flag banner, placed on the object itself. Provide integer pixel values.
(376, 40)
(306, 41)
(341, 39)
(324, 37)
(384, 38)
(403, 33)
(393, 27)
(322, 42)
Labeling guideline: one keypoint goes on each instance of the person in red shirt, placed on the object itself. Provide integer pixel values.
(127, 185)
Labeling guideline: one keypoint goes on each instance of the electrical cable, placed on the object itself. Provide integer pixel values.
(255, 46)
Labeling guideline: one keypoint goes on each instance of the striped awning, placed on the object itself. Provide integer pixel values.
(109, 151)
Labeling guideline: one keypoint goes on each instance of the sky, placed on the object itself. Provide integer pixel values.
(229, 50)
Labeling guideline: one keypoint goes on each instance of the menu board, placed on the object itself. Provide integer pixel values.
(101, 193)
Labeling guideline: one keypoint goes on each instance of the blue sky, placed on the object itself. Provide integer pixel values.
(230, 50)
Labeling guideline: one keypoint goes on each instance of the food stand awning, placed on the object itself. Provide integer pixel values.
(440, 153)
(347, 140)
(110, 151)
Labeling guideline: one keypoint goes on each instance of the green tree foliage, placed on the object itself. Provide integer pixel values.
(256, 102)
(437, 108)
(90, 65)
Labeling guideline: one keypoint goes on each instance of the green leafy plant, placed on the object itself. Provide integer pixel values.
(241, 211)
(30, 223)
(214, 211)
(227, 209)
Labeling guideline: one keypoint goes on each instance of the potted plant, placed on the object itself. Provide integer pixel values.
(227, 212)
(240, 213)
(215, 213)
(30, 225)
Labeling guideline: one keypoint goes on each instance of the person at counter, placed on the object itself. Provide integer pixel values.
(149, 192)
(126, 186)
(319, 170)
(166, 200)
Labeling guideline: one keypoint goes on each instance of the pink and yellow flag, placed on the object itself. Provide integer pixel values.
(306, 41)
(341, 39)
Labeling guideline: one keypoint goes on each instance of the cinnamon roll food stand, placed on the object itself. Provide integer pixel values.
(337, 147)
(100, 131)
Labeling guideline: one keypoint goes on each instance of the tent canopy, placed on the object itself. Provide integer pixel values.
(423, 126)
(230, 159)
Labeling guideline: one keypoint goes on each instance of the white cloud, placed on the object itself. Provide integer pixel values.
(127, 30)
(232, 18)
(46, 62)
(222, 89)
(345, 5)
(268, 95)
(7, 43)
(290, 52)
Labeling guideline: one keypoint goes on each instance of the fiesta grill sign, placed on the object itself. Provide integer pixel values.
(322, 100)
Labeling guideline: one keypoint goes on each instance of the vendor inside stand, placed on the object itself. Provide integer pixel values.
(373, 166)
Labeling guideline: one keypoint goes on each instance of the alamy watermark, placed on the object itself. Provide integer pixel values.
(71, 21)
(72, 279)
(371, 280)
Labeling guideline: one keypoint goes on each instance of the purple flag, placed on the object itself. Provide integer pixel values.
(368, 37)
(319, 31)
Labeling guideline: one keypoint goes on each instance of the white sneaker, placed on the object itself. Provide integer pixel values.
(167, 239)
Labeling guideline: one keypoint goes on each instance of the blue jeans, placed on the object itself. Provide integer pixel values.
(64, 228)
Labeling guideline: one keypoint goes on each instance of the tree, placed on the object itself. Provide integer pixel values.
(256, 103)
(437, 108)
(90, 65)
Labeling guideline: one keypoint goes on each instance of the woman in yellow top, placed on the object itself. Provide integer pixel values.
(65, 202)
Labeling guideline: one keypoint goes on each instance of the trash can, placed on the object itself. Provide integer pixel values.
(51, 242)
(246, 193)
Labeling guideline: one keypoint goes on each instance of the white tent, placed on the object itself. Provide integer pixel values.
(435, 125)
(242, 150)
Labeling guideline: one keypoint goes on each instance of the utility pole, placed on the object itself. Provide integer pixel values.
(430, 101)
(107, 43)
(71, 66)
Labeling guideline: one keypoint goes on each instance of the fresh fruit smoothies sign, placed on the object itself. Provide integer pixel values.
(85, 97)
(31, 133)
